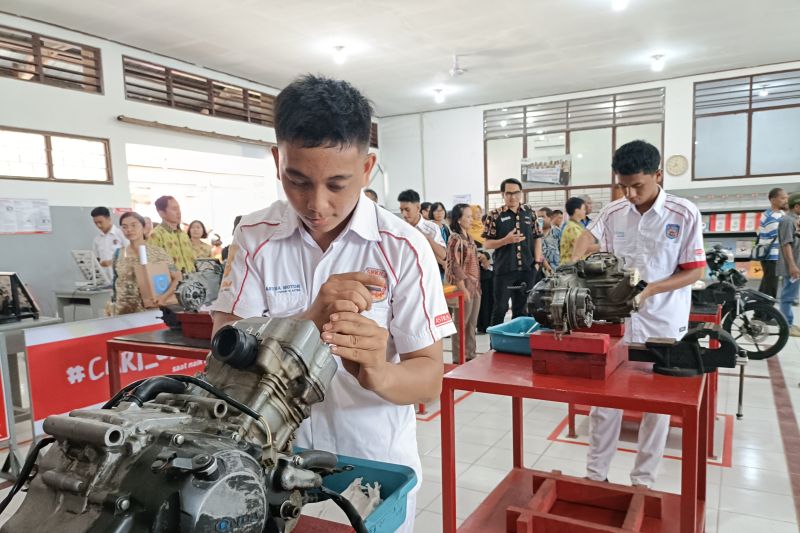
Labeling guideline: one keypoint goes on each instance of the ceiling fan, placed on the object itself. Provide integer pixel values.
(456, 69)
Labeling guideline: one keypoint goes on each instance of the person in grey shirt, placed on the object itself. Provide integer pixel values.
(789, 238)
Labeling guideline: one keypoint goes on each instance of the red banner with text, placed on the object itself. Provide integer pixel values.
(73, 373)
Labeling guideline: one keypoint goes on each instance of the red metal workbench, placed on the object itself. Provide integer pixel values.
(162, 342)
(633, 385)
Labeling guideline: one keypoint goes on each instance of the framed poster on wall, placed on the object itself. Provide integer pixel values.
(546, 171)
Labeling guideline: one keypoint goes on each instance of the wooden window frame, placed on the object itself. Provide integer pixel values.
(49, 157)
(250, 114)
(749, 112)
(40, 67)
(566, 131)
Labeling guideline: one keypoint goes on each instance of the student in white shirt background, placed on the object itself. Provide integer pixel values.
(660, 235)
(108, 241)
(411, 211)
(367, 279)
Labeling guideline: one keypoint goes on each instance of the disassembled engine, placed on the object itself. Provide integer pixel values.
(598, 288)
(179, 454)
(200, 287)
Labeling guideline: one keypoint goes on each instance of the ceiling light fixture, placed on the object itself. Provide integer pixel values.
(657, 63)
(619, 5)
(503, 123)
(764, 92)
(339, 55)
(439, 96)
(539, 132)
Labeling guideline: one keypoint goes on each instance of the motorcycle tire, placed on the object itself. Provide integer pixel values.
(767, 313)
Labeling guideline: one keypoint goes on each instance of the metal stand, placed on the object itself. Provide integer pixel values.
(741, 362)
(12, 465)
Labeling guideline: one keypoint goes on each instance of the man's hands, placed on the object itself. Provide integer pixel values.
(106, 263)
(514, 237)
(794, 272)
(361, 343)
(343, 293)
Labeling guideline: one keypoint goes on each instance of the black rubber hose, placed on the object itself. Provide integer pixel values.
(344, 504)
(206, 386)
(25, 472)
(153, 387)
(319, 459)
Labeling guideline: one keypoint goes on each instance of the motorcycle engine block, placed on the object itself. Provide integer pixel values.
(598, 288)
(175, 457)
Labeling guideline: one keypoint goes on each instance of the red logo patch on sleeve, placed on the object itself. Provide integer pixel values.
(441, 320)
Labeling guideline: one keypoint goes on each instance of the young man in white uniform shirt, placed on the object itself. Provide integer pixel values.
(411, 212)
(367, 279)
(660, 235)
(108, 241)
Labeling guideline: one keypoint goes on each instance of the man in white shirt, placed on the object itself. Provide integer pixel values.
(660, 235)
(108, 241)
(367, 280)
(412, 213)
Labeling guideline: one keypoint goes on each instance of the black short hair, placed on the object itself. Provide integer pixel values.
(409, 195)
(547, 211)
(317, 111)
(574, 204)
(635, 157)
(188, 229)
(433, 207)
(370, 191)
(505, 182)
(425, 206)
(772, 194)
(557, 212)
(162, 202)
(104, 212)
(455, 216)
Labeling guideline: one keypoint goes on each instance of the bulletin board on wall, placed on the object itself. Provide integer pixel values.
(25, 216)
(44, 260)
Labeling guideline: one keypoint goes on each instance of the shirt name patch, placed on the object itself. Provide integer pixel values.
(505, 219)
(673, 231)
(291, 288)
(442, 319)
(619, 234)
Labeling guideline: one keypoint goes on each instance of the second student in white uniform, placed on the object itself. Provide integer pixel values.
(660, 235)
(366, 278)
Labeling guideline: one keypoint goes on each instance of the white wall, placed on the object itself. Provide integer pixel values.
(450, 143)
(41, 107)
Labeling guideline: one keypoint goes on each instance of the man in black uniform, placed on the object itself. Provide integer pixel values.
(514, 235)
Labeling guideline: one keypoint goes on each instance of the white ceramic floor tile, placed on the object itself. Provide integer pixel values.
(481, 478)
(467, 501)
(757, 479)
(763, 504)
(465, 452)
(428, 522)
(427, 492)
(730, 522)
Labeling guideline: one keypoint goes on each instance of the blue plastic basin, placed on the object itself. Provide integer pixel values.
(513, 336)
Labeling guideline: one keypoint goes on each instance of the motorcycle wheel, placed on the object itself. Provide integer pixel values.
(757, 336)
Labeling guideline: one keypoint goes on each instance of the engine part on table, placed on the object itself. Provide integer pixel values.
(686, 357)
(201, 287)
(598, 288)
(16, 303)
(180, 454)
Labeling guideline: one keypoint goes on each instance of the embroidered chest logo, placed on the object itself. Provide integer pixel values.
(378, 293)
(673, 231)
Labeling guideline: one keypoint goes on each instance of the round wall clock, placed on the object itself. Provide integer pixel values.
(677, 165)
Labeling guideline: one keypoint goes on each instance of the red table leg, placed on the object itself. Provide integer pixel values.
(711, 386)
(690, 464)
(448, 459)
(461, 354)
(114, 381)
(517, 433)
